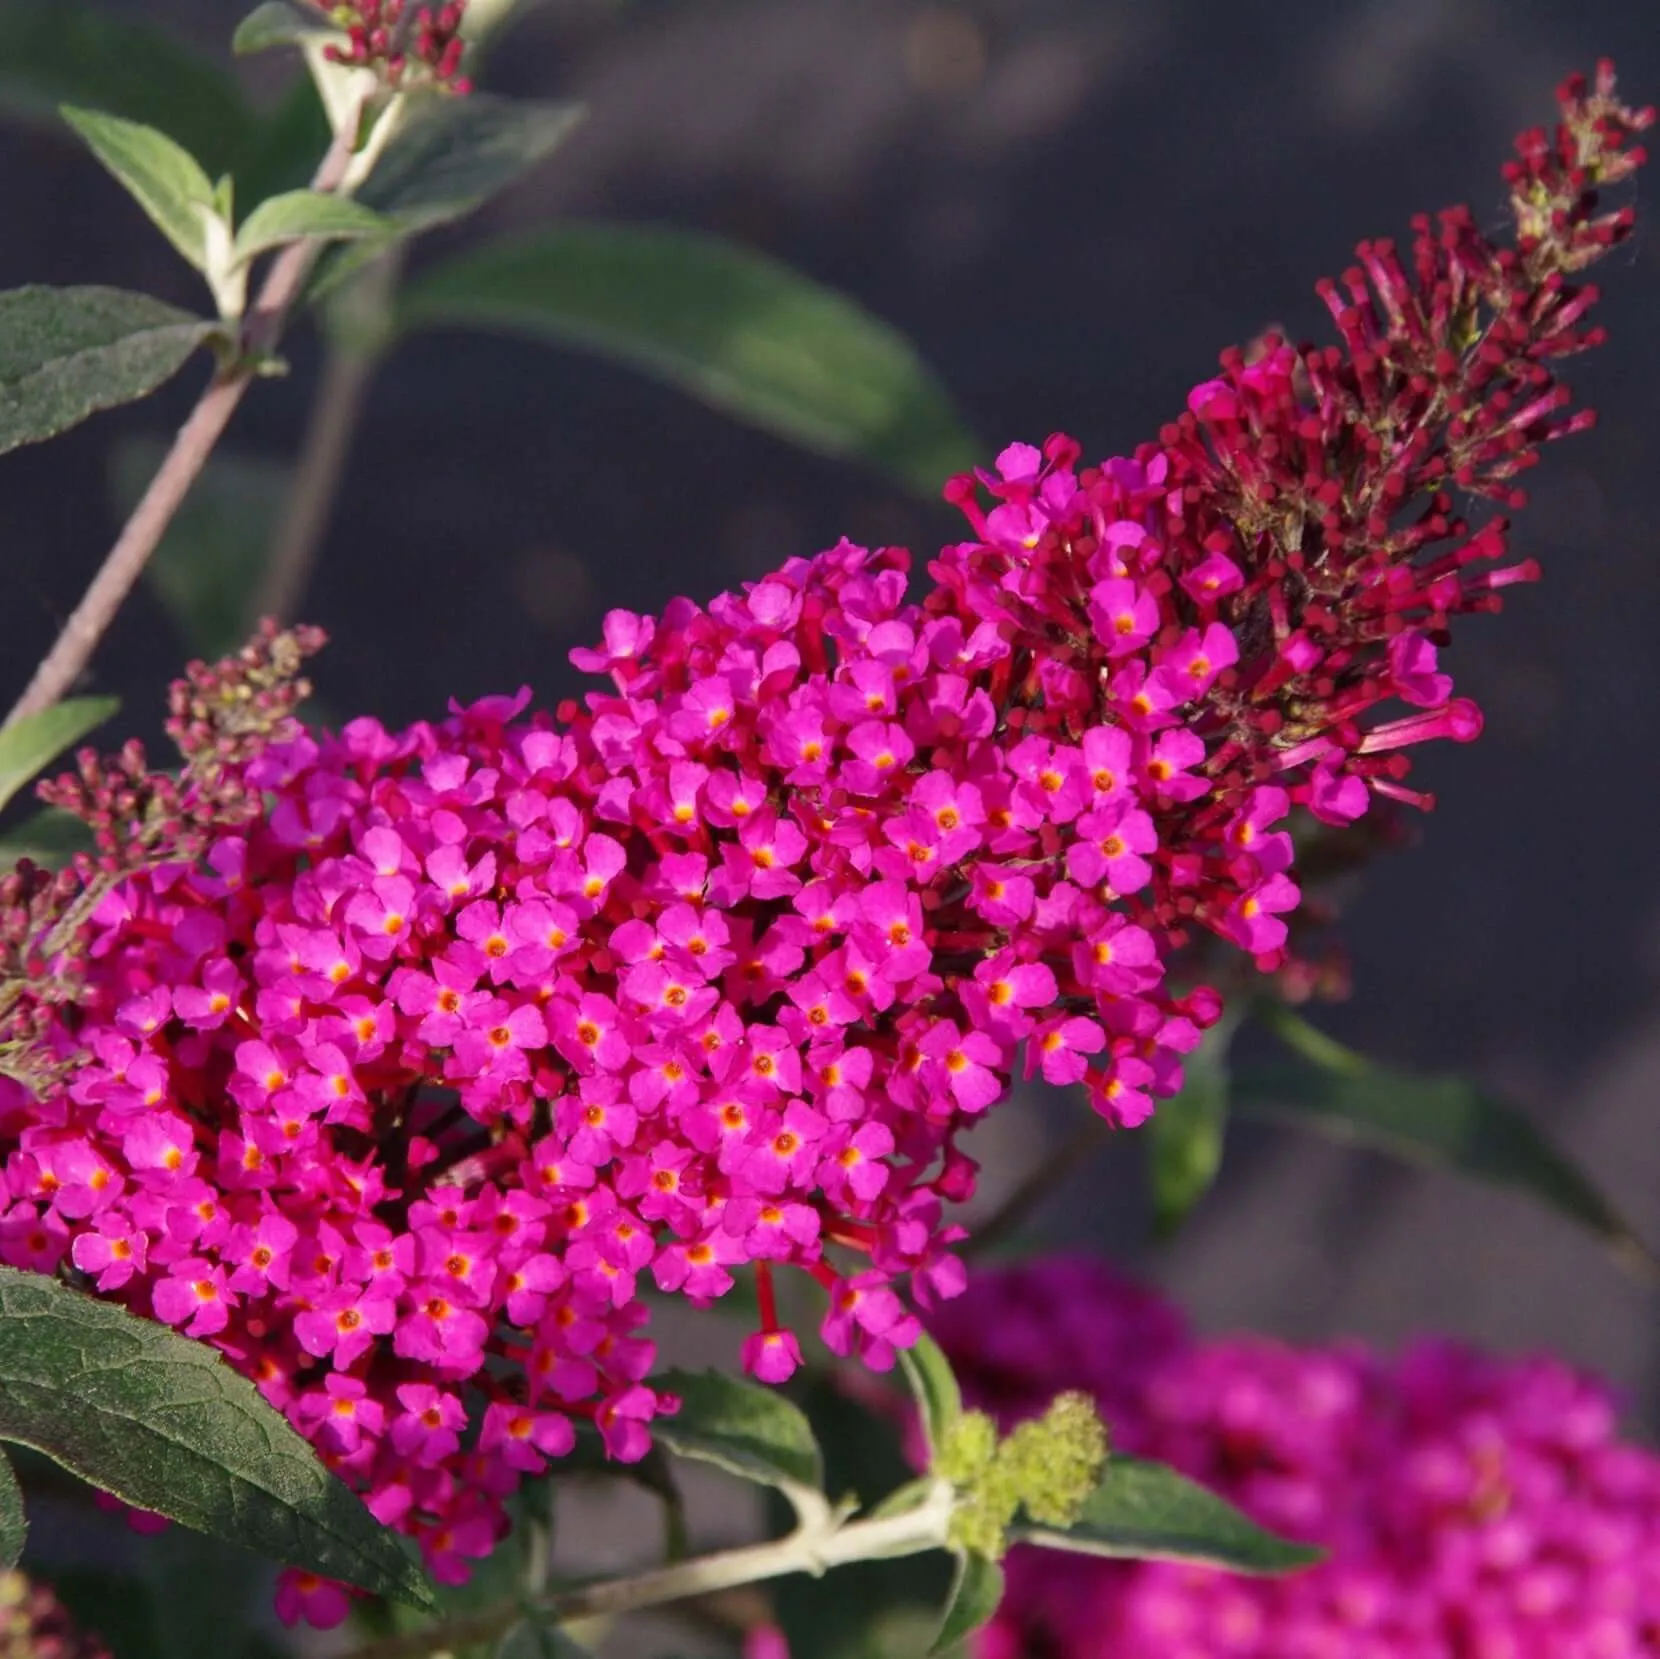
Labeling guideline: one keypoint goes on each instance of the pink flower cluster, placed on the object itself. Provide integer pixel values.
(1473, 1507)
(402, 1093)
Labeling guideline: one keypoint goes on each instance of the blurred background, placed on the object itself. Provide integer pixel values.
(1069, 206)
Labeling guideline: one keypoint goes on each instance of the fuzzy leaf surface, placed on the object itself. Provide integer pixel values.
(747, 1429)
(164, 1424)
(14, 1529)
(66, 353)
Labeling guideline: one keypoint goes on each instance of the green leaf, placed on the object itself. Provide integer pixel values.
(66, 353)
(1445, 1122)
(534, 1639)
(58, 53)
(448, 158)
(50, 838)
(29, 745)
(158, 173)
(1149, 1512)
(747, 1429)
(212, 555)
(934, 1384)
(297, 214)
(975, 1593)
(13, 1527)
(742, 332)
(1185, 1136)
(456, 153)
(278, 24)
(164, 1424)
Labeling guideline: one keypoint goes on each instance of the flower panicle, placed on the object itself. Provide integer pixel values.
(404, 46)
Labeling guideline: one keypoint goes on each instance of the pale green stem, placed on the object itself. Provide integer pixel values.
(821, 1542)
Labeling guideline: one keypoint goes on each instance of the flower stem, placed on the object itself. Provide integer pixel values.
(813, 1547)
(195, 442)
(358, 335)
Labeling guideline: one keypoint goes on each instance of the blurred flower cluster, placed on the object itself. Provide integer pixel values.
(1474, 1507)
(35, 1625)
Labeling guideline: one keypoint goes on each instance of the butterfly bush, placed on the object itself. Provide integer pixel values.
(401, 1065)
(1473, 1507)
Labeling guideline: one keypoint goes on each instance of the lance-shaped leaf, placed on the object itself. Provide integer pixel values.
(1444, 1122)
(164, 1424)
(158, 173)
(748, 1430)
(1185, 1136)
(458, 152)
(97, 57)
(66, 353)
(743, 332)
(29, 745)
(446, 159)
(975, 1592)
(1148, 1511)
(14, 1529)
(934, 1384)
(297, 214)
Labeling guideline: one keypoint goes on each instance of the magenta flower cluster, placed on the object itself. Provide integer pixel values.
(404, 1092)
(1473, 1507)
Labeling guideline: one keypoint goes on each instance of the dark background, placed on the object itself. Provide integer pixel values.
(1071, 205)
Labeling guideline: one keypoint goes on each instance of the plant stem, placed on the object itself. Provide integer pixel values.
(358, 331)
(191, 448)
(812, 1548)
(335, 410)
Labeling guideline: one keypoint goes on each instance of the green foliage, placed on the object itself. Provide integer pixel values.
(1445, 1122)
(161, 1422)
(1147, 1511)
(448, 157)
(976, 1590)
(212, 554)
(296, 214)
(29, 745)
(158, 173)
(14, 1529)
(57, 53)
(934, 1384)
(535, 1639)
(49, 837)
(66, 353)
(276, 23)
(1185, 1136)
(748, 1430)
(743, 332)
